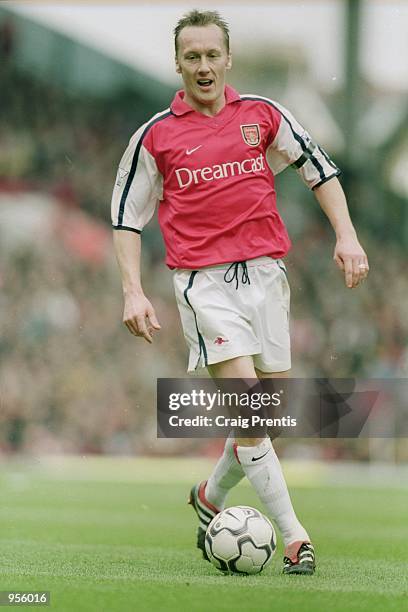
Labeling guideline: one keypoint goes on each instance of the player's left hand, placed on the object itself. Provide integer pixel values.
(350, 257)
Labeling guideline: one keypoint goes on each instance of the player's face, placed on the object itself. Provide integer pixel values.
(202, 60)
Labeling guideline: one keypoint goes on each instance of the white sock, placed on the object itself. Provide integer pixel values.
(265, 475)
(226, 474)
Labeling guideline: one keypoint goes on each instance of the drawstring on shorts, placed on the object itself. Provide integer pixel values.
(232, 273)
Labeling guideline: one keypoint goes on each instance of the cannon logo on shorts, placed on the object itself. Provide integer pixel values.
(251, 165)
(251, 134)
(220, 340)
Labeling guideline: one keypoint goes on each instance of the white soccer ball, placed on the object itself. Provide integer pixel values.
(240, 540)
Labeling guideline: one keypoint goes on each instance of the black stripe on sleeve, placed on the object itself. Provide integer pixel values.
(329, 161)
(201, 343)
(134, 166)
(327, 178)
(125, 227)
(300, 161)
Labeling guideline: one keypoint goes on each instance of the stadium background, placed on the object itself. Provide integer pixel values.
(72, 379)
(92, 504)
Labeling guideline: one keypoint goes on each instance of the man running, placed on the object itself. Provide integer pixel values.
(208, 164)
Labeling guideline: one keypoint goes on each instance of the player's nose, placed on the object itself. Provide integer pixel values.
(203, 67)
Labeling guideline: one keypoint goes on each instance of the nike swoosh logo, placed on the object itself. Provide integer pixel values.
(190, 151)
(260, 457)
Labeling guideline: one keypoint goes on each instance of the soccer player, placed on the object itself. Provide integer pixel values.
(208, 163)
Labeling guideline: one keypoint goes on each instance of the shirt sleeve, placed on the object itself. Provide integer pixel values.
(138, 186)
(293, 146)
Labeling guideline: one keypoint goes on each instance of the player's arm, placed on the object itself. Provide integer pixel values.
(138, 313)
(292, 146)
(137, 189)
(348, 253)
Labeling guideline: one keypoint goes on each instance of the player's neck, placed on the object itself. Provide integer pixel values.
(206, 109)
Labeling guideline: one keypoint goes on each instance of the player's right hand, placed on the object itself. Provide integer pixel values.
(139, 316)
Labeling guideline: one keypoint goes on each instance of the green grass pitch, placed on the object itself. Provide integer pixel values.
(117, 535)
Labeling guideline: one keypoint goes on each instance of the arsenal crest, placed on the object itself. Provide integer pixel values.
(251, 134)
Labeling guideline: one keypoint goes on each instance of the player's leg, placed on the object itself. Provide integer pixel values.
(208, 497)
(258, 461)
(267, 478)
(261, 466)
(271, 324)
(228, 472)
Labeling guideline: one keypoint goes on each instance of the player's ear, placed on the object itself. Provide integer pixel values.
(178, 69)
(229, 62)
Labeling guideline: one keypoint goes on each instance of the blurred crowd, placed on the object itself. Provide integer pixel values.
(61, 141)
(72, 379)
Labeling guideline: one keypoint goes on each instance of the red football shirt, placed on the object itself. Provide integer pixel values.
(212, 179)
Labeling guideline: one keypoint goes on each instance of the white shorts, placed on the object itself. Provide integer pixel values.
(222, 320)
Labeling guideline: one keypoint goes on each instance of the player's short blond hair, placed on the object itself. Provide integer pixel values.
(201, 18)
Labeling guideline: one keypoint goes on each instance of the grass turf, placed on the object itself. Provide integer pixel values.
(101, 540)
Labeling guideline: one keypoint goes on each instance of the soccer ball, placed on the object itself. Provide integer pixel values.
(240, 540)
